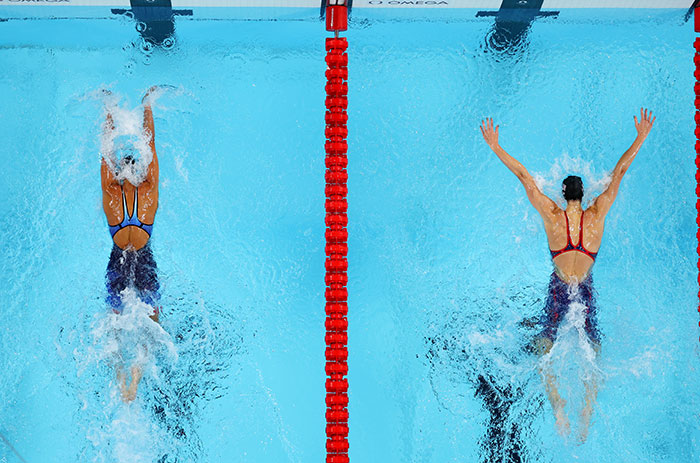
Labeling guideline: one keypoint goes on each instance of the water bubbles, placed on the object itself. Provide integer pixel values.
(131, 336)
(129, 67)
(168, 43)
(594, 181)
(146, 46)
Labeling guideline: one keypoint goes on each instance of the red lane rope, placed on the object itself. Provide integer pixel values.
(336, 236)
(696, 59)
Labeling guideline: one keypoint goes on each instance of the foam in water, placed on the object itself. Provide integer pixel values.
(131, 336)
(125, 432)
(594, 182)
(572, 360)
(183, 361)
(127, 136)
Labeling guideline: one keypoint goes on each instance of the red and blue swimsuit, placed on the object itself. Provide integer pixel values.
(562, 295)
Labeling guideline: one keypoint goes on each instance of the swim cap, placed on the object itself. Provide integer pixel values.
(572, 188)
(127, 160)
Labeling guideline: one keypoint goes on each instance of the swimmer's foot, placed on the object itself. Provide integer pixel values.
(562, 420)
(584, 423)
(129, 393)
(121, 379)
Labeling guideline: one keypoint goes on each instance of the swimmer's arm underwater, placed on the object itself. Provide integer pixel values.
(544, 205)
(108, 178)
(149, 130)
(605, 200)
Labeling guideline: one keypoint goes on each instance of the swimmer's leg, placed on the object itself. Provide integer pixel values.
(146, 281)
(128, 392)
(121, 379)
(543, 346)
(116, 278)
(128, 389)
(587, 411)
(591, 385)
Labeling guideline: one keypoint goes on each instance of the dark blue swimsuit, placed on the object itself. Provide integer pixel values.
(131, 268)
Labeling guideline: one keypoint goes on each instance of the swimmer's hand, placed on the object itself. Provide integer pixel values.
(148, 93)
(108, 103)
(153, 89)
(645, 123)
(490, 134)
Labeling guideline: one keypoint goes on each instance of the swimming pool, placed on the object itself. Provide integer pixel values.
(447, 258)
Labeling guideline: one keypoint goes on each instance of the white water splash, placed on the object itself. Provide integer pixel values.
(127, 137)
(476, 338)
(125, 432)
(594, 181)
(132, 336)
(573, 359)
(572, 345)
(131, 434)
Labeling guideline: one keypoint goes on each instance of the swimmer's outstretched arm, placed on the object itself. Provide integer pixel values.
(602, 203)
(108, 178)
(544, 205)
(149, 130)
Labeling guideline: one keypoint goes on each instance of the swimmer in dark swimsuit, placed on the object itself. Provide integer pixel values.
(132, 209)
(571, 279)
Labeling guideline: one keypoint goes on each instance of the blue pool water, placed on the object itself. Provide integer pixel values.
(447, 257)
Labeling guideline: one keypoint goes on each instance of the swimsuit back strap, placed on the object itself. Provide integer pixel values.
(125, 207)
(135, 210)
(130, 219)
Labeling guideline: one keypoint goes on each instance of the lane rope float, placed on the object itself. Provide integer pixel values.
(336, 277)
(696, 59)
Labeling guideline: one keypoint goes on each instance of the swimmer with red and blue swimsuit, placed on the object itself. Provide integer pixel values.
(571, 280)
(131, 208)
(561, 293)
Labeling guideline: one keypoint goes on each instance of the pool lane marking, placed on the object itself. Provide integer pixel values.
(7, 442)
